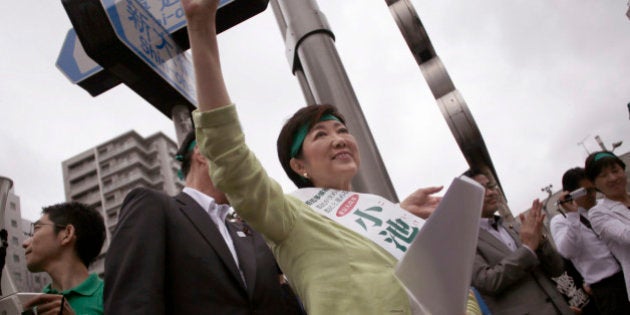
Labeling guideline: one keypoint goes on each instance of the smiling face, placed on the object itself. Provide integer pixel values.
(491, 197)
(330, 156)
(43, 246)
(611, 181)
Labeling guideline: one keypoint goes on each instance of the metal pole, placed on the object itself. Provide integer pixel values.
(182, 121)
(298, 72)
(601, 143)
(314, 60)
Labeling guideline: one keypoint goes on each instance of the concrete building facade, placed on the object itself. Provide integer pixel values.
(18, 230)
(102, 176)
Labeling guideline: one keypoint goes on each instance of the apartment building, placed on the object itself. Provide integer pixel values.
(103, 175)
(18, 230)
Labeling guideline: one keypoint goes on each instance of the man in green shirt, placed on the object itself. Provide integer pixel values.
(63, 243)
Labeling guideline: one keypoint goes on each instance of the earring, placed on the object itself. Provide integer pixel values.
(305, 175)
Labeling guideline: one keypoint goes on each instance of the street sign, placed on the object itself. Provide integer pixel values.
(141, 32)
(80, 69)
(171, 15)
(135, 45)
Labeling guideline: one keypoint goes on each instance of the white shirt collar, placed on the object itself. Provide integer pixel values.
(208, 203)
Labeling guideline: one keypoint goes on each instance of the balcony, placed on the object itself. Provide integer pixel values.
(116, 150)
(83, 186)
(80, 171)
(134, 177)
(133, 160)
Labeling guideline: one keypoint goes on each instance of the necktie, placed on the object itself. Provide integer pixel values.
(494, 222)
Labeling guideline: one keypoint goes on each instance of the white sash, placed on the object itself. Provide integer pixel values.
(436, 269)
(371, 216)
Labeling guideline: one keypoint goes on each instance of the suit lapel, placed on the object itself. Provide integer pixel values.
(200, 219)
(244, 245)
(513, 233)
(489, 239)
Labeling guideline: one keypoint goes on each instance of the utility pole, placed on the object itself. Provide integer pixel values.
(582, 144)
(547, 219)
(601, 143)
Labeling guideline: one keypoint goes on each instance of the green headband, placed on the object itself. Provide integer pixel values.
(191, 146)
(180, 157)
(300, 135)
(601, 155)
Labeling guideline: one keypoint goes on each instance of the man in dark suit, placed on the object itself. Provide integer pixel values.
(512, 270)
(179, 255)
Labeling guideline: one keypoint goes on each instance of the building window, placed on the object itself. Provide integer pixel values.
(17, 276)
(37, 279)
(16, 258)
(14, 223)
(12, 205)
(15, 240)
(110, 198)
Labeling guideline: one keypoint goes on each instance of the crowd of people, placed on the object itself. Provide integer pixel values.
(187, 254)
(515, 265)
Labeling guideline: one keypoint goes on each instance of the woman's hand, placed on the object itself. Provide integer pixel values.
(421, 203)
(192, 8)
(201, 24)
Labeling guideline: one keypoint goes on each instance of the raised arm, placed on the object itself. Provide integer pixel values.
(201, 17)
(566, 234)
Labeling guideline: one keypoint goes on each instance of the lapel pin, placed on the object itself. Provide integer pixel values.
(241, 234)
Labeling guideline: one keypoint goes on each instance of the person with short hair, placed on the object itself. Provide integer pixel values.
(513, 266)
(63, 242)
(184, 254)
(610, 218)
(576, 241)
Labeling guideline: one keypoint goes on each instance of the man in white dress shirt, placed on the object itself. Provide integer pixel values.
(575, 240)
(180, 255)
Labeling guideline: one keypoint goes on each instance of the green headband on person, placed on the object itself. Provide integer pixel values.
(300, 135)
(180, 157)
(601, 155)
(191, 146)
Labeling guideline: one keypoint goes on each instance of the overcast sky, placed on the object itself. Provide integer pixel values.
(538, 77)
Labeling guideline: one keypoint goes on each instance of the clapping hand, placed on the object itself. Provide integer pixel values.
(532, 223)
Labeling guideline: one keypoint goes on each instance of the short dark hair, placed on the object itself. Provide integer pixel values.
(306, 116)
(184, 153)
(571, 178)
(596, 161)
(472, 172)
(88, 225)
